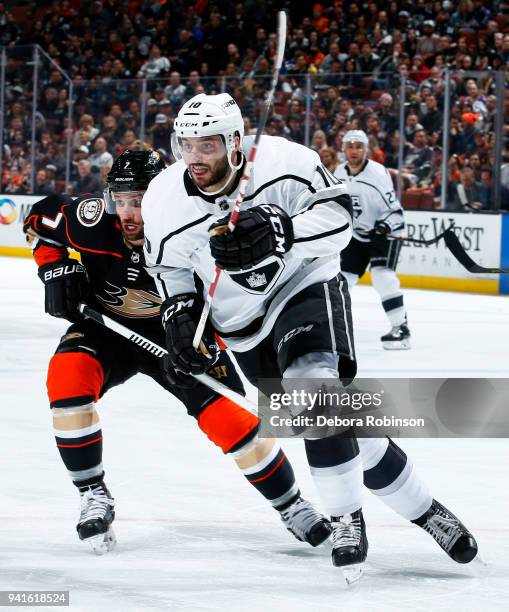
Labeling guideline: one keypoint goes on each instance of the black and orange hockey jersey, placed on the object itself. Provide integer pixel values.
(120, 286)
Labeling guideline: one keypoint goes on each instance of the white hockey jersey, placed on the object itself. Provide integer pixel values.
(177, 217)
(373, 198)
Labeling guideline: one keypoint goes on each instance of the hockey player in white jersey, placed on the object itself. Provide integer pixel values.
(281, 304)
(377, 215)
(281, 273)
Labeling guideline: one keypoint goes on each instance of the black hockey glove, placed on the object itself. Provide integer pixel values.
(184, 381)
(180, 316)
(381, 229)
(260, 232)
(65, 286)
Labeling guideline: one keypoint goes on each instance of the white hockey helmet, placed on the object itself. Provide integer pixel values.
(356, 136)
(205, 115)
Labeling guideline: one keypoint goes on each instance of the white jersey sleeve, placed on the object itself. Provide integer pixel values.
(318, 203)
(390, 208)
(323, 223)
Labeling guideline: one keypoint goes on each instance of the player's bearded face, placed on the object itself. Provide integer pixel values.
(128, 206)
(355, 153)
(206, 160)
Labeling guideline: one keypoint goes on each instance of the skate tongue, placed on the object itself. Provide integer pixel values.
(345, 519)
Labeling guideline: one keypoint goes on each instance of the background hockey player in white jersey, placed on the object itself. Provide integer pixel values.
(377, 214)
(281, 304)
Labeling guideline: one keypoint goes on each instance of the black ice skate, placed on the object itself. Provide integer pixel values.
(448, 531)
(349, 541)
(349, 544)
(306, 523)
(397, 339)
(96, 517)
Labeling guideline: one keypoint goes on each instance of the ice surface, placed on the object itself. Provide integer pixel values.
(192, 535)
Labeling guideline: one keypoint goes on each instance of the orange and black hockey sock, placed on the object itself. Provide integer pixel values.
(81, 451)
(75, 379)
(233, 428)
(274, 478)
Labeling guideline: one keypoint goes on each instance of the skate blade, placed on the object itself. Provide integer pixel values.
(478, 561)
(102, 543)
(477, 565)
(397, 345)
(353, 573)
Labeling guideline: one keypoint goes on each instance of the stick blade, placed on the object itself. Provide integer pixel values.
(454, 245)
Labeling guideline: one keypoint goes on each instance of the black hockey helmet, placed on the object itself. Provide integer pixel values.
(132, 171)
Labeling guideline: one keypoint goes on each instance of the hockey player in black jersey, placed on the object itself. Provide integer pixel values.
(89, 360)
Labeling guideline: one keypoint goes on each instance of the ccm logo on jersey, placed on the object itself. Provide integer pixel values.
(292, 333)
(279, 233)
(63, 271)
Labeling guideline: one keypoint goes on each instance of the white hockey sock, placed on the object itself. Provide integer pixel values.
(390, 475)
(340, 483)
(387, 285)
(340, 486)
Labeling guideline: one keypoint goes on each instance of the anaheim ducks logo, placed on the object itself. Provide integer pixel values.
(130, 302)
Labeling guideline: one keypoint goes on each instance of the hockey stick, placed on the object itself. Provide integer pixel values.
(454, 245)
(419, 240)
(158, 351)
(247, 173)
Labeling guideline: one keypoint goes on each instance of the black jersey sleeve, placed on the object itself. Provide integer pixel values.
(59, 222)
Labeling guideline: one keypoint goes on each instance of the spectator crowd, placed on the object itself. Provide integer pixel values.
(134, 62)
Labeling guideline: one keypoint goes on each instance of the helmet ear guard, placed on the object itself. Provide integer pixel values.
(230, 150)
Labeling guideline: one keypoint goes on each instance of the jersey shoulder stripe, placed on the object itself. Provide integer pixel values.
(321, 172)
(337, 230)
(335, 193)
(377, 190)
(176, 232)
(334, 179)
(281, 160)
(284, 177)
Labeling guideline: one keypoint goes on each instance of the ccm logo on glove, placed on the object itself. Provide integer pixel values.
(180, 315)
(261, 232)
(275, 219)
(179, 303)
